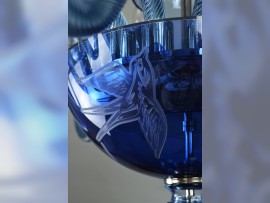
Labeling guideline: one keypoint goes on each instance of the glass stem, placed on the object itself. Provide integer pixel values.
(186, 196)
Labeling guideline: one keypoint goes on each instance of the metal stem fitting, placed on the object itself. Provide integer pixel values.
(183, 181)
(184, 190)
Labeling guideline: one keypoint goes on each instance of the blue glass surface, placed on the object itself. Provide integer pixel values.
(177, 83)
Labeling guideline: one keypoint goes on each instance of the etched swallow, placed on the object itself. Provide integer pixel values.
(135, 94)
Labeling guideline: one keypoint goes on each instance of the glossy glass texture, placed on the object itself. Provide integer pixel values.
(158, 129)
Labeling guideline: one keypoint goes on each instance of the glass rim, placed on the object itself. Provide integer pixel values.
(195, 18)
(199, 18)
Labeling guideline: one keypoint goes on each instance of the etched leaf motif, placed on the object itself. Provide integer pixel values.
(153, 124)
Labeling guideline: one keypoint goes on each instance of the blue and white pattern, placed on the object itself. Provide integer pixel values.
(135, 99)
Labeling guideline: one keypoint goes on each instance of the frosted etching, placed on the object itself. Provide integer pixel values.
(135, 99)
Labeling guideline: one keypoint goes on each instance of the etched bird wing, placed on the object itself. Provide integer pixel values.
(113, 79)
(104, 109)
(153, 124)
(120, 117)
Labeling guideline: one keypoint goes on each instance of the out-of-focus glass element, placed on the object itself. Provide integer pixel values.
(197, 8)
(132, 12)
(82, 135)
(33, 102)
(183, 8)
(138, 4)
(119, 21)
(153, 9)
(170, 8)
(88, 17)
(158, 9)
(145, 77)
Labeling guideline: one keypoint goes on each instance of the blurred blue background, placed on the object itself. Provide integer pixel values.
(236, 99)
(33, 101)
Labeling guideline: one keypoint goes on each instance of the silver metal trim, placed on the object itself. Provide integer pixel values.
(174, 181)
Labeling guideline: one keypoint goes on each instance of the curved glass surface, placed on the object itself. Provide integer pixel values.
(136, 92)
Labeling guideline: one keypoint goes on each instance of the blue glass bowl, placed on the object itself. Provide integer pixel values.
(136, 92)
